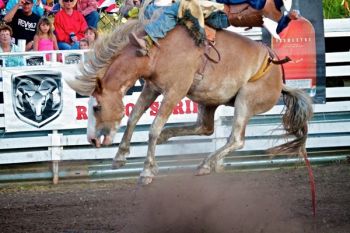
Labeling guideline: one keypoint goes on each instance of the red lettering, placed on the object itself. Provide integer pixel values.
(128, 109)
(188, 106)
(195, 107)
(154, 108)
(81, 113)
(178, 109)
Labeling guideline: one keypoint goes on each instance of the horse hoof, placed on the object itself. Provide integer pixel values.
(203, 170)
(219, 169)
(145, 180)
(118, 164)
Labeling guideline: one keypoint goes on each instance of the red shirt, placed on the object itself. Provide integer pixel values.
(66, 24)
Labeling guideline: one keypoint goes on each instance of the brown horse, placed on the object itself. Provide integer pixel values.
(170, 70)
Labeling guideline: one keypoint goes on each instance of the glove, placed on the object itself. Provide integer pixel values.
(134, 12)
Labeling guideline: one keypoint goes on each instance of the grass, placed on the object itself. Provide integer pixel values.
(333, 9)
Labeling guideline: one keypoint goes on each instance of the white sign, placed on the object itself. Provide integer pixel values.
(37, 98)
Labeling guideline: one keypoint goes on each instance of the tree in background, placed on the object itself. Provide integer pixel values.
(336, 9)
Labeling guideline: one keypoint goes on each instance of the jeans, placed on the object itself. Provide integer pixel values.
(166, 21)
(92, 19)
(66, 46)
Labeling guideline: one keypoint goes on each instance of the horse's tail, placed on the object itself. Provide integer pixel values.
(295, 120)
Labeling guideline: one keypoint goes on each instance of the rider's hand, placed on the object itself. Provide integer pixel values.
(134, 12)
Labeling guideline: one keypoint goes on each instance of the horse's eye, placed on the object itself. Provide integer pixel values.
(97, 108)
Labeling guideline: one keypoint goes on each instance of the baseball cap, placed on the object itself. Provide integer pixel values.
(29, 1)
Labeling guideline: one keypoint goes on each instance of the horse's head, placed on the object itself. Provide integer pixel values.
(106, 76)
(105, 112)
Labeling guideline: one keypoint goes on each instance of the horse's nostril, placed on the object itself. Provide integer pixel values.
(97, 108)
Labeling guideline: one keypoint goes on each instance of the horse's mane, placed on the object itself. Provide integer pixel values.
(105, 50)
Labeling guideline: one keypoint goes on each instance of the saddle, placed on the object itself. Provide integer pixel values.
(243, 15)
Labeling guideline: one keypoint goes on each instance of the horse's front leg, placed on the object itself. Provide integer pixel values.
(203, 126)
(145, 99)
(150, 166)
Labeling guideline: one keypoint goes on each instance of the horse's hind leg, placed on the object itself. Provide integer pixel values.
(235, 142)
(203, 126)
(251, 99)
(145, 99)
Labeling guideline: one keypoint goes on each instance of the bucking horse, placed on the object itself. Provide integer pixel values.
(248, 78)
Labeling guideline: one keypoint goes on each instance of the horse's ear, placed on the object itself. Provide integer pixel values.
(98, 89)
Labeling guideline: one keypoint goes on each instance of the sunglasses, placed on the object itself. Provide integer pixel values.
(68, 0)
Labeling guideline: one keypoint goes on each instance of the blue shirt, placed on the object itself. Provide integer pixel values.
(12, 60)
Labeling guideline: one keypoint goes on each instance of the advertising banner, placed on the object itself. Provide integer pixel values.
(38, 98)
(303, 41)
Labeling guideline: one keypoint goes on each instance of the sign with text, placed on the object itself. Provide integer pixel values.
(37, 98)
(303, 41)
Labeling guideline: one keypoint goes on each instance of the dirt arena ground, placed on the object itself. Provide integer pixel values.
(239, 202)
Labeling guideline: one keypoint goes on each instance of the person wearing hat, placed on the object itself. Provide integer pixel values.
(23, 22)
(70, 26)
(37, 7)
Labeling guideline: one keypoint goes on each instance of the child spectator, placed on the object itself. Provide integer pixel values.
(7, 46)
(70, 25)
(83, 44)
(44, 39)
(23, 22)
(37, 6)
(91, 35)
(89, 9)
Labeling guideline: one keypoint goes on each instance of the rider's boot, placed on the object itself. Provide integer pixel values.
(145, 44)
(276, 28)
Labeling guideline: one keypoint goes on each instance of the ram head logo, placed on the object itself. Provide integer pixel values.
(37, 101)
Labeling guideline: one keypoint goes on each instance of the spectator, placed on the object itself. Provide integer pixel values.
(2, 4)
(23, 22)
(2, 9)
(37, 7)
(83, 44)
(89, 9)
(91, 35)
(70, 26)
(6, 45)
(44, 39)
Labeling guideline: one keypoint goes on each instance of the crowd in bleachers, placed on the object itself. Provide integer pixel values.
(45, 25)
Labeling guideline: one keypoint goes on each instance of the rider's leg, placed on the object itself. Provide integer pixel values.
(276, 28)
(157, 28)
(276, 19)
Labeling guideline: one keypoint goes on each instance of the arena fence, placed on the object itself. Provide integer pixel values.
(25, 153)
